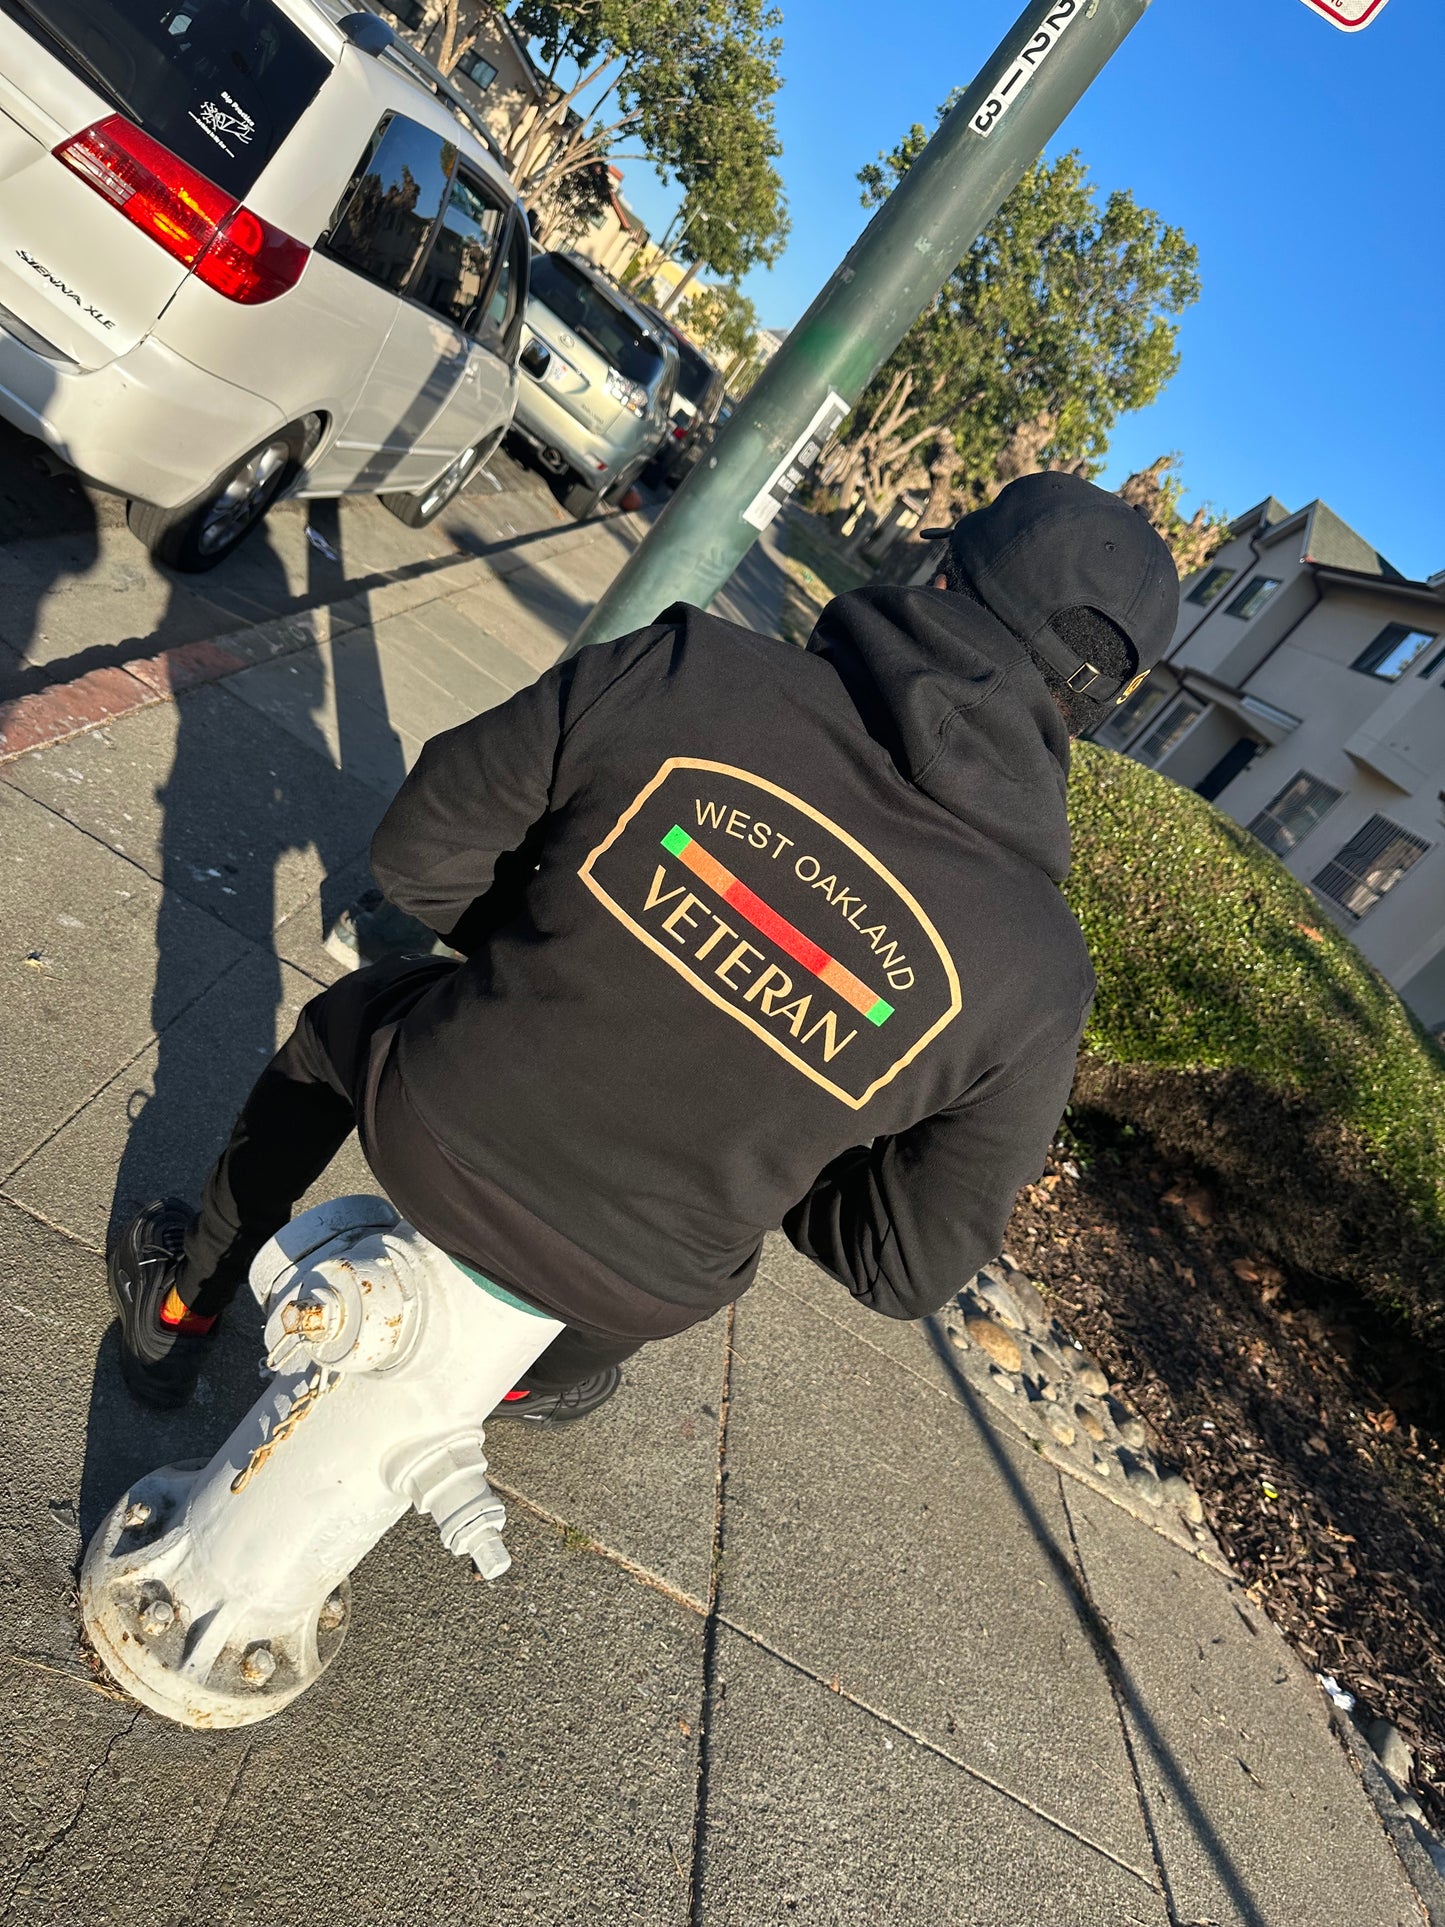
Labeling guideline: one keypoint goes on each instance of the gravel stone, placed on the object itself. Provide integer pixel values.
(1142, 1480)
(1391, 1750)
(1060, 1427)
(996, 1296)
(1091, 1423)
(1030, 1299)
(991, 1338)
(1089, 1378)
(1002, 1382)
(1179, 1492)
(1128, 1425)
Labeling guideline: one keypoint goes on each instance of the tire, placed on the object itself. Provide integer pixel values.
(579, 500)
(427, 503)
(205, 530)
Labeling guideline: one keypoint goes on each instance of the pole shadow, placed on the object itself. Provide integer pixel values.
(1127, 1694)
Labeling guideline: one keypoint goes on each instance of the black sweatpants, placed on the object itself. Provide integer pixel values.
(302, 1110)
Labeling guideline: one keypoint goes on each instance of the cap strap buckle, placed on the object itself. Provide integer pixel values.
(1085, 669)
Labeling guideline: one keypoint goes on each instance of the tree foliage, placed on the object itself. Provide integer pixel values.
(1155, 492)
(722, 320)
(1060, 318)
(690, 84)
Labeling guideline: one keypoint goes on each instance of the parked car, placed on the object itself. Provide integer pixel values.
(701, 440)
(252, 248)
(598, 377)
(694, 407)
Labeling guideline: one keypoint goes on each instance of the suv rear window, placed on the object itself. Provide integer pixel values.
(221, 83)
(697, 374)
(579, 304)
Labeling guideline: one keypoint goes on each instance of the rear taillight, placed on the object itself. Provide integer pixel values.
(251, 261)
(231, 249)
(679, 434)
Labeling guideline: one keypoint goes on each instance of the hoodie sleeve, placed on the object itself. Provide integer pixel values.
(478, 791)
(905, 1222)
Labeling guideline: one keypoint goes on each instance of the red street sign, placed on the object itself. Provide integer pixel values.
(1349, 15)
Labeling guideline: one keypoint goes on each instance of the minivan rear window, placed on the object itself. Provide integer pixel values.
(221, 83)
(582, 306)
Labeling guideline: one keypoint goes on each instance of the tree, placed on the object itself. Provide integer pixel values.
(1058, 320)
(691, 82)
(1155, 492)
(722, 320)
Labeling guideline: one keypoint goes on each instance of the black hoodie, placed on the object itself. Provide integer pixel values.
(755, 936)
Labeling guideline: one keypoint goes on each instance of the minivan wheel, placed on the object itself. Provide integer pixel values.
(426, 504)
(204, 531)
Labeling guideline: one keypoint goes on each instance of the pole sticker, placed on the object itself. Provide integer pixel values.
(1035, 52)
(796, 463)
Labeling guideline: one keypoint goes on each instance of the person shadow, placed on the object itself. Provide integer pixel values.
(49, 533)
(292, 775)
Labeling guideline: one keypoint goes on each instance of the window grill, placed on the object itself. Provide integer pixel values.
(1170, 730)
(1128, 718)
(1372, 862)
(1287, 819)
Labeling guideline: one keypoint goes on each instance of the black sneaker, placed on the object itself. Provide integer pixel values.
(560, 1408)
(159, 1362)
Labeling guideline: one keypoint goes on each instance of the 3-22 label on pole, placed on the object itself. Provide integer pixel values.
(1348, 15)
(1034, 52)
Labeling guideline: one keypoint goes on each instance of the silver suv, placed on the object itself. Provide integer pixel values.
(598, 376)
(249, 246)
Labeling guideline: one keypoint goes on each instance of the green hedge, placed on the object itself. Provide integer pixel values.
(1212, 957)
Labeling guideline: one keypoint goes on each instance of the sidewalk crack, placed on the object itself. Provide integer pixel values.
(62, 1833)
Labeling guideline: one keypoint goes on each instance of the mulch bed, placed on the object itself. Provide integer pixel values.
(1311, 1429)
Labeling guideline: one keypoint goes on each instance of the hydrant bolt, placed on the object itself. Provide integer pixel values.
(333, 1611)
(258, 1665)
(137, 1515)
(156, 1617)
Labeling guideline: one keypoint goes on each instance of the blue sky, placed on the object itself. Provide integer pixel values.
(1306, 165)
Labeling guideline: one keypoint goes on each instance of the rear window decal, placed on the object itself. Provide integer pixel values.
(225, 121)
(781, 919)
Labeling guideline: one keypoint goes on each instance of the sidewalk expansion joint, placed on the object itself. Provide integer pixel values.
(585, 1542)
(708, 1707)
(922, 1740)
(1114, 1674)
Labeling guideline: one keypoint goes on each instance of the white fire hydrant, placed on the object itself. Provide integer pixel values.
(215, 1593)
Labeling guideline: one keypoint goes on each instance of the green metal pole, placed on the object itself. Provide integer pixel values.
(1043, 65)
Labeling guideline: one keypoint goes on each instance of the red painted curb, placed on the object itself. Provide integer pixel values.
(65, 709)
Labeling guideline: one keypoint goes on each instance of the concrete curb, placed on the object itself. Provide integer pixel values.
(59, 710)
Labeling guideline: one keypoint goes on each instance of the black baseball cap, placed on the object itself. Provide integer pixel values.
(1052, 542)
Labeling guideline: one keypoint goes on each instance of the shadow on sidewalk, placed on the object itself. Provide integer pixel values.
(1126, 1694)
(259, 807)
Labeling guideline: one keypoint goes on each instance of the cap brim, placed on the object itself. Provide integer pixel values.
(933, 535)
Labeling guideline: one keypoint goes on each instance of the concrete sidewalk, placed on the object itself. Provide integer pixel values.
(795, 1632)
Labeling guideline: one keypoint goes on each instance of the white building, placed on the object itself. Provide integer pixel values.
(1304, 693)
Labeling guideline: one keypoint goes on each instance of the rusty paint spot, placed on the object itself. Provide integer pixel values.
(299, 1317)
(305, 1402)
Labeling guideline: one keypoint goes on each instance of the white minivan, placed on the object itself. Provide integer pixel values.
(247, 248)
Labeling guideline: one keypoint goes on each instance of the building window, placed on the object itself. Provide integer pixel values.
(1212, 584)
(481, 73)
(1127, 719)
(1393, 651)
(1372, 862)
(1287, 819)
(411, 13)
(1252, 597)
(1169, 732)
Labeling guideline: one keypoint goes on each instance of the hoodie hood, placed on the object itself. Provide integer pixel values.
(956, 701)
